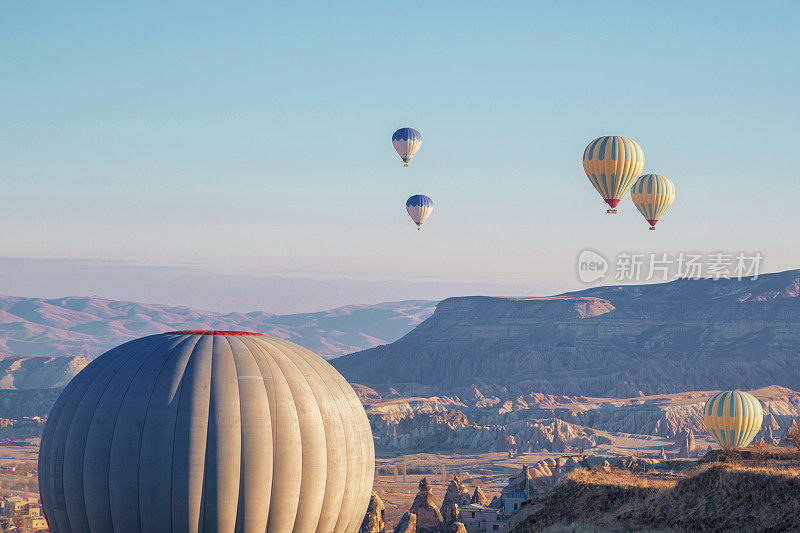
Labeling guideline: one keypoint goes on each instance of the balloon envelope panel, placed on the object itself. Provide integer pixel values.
(612, 163)
(202, 431)
(733, 418)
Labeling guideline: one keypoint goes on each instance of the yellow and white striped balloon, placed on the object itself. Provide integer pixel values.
(733, 418)
(653, 194)
(612, 164)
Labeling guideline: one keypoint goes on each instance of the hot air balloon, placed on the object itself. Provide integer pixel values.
(406, 141)
(612, 164)
(733, 418)
(419, 208)
(653, 194)
(206, 431)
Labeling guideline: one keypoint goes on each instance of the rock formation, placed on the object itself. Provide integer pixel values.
(771, 423)
(373, 519)
(429, 518)
(541, 476)
(479, 497)
(767, 435)
(456, 494)
(685, 442)
(451, 518)
(744, 331)
(518, 483)
(25, 373)
(793, 427)
(511, 441)
(539, 422)
(407, 524)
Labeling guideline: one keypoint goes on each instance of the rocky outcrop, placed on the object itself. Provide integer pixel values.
(429, 518)
(450, 518)
(547, 473)
(18, 372)
(766, 434)
(432, 424)
(424, 517)
(771, 423)
(659, 338)
(564, 424)
(407, 524)
(456, 494)
(517, 483)
(479, 497)
(373, 519)
(635, 464)
(784, 438)
(540, 476)
(685, 442)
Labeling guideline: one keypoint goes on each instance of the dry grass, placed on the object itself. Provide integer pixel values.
(712, 497)
(590, 499)
(727, 497)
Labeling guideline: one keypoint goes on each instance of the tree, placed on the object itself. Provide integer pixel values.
(758, 451)
(792, 436)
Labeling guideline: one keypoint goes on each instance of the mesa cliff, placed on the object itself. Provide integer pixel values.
(616, 341)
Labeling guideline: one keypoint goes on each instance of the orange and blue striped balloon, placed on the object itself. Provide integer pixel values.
(653, 194)
(733, 418)
(612, 163)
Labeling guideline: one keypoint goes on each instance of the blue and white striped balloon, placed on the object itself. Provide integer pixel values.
(406, 141)
(419, 208)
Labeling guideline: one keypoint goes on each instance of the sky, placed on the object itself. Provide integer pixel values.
(253, 139)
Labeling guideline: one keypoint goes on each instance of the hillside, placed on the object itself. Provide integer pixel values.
(88, 326)
(22, 373)
(715, 497)
(607, 341)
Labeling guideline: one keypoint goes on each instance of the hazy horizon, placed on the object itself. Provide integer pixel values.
(239, 290)
(203, 287)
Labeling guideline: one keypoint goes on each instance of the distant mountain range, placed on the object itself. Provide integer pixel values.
(87, 326)
(607, 341)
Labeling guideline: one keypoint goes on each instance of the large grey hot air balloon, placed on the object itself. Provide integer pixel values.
(206, 431)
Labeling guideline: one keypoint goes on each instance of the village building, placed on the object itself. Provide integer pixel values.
(479, 518)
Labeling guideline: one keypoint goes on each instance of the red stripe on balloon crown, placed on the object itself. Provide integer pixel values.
(209, 332)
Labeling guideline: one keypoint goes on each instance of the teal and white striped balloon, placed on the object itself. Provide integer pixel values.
(733, 418)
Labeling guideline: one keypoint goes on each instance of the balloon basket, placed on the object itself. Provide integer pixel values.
(405, 165)
(611, 211)
(652, 228)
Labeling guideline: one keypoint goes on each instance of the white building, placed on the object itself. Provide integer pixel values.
(479, 518)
